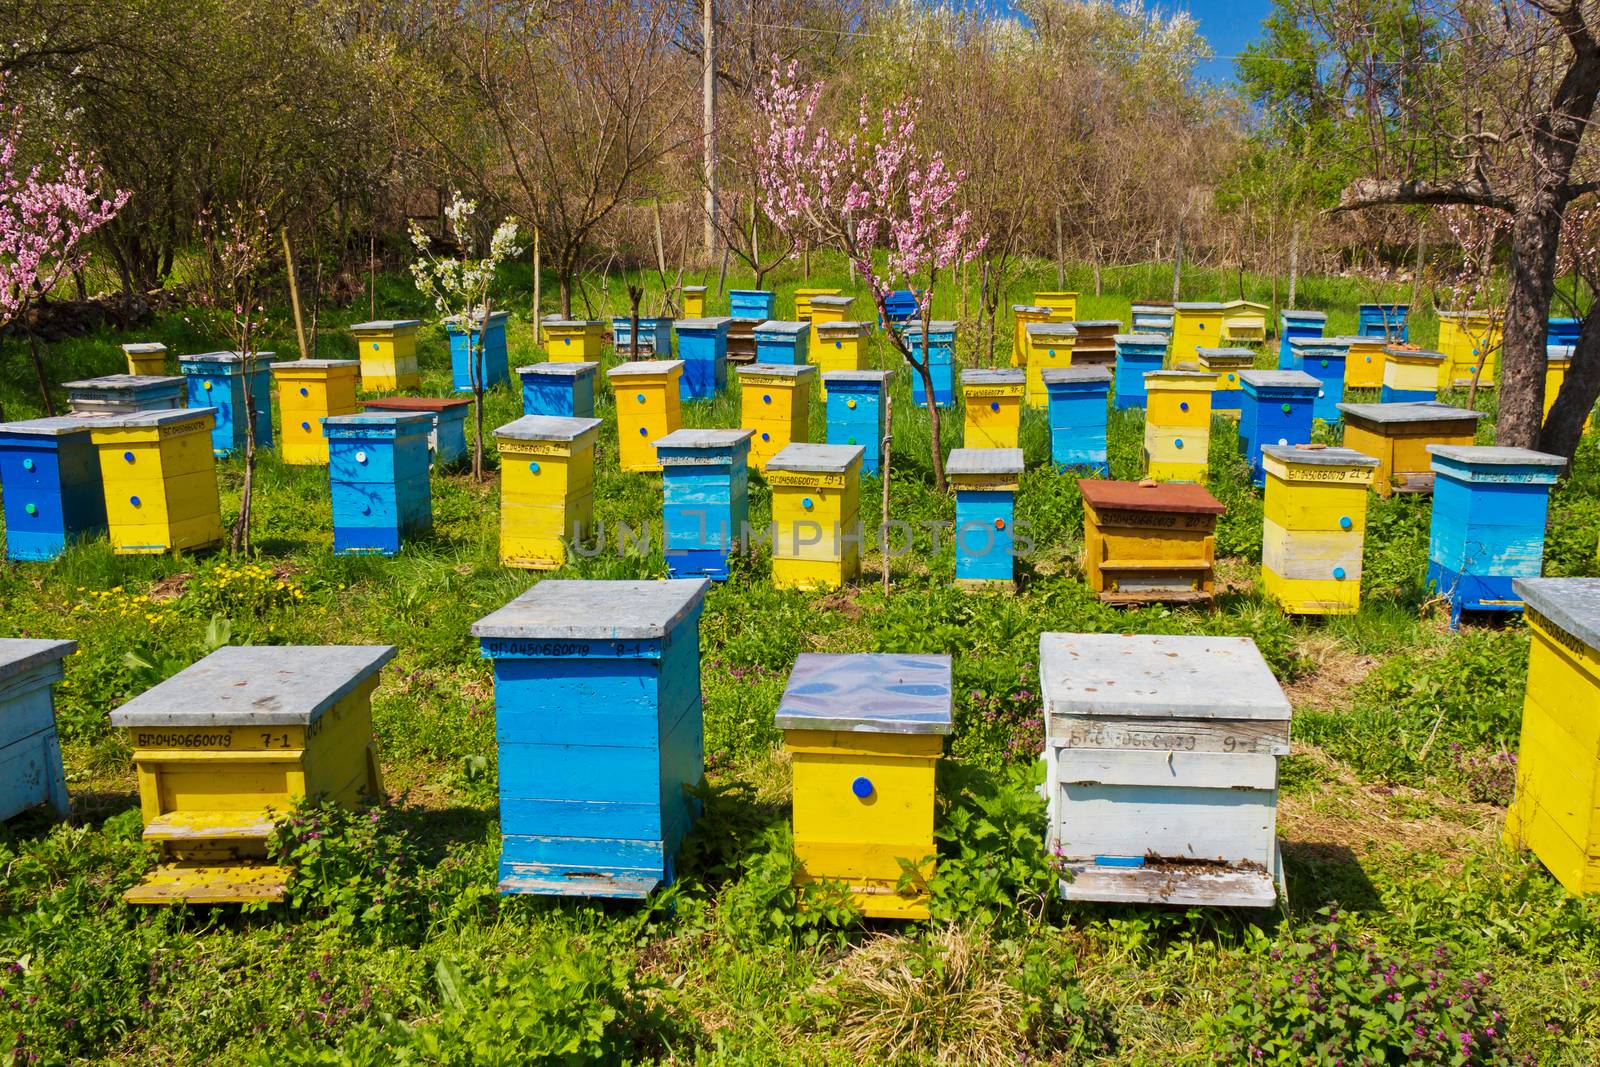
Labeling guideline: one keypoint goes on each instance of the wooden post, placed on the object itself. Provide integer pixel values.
(883, 465)
(708, 93)
(1177, 261)
(294, 294)
(1061, 263)
(538, 291)
(1422, 238)
(372, 275)
(1294, 260)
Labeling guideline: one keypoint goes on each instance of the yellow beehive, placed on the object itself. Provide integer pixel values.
(574, 340)
(1194, 326)
(1556, 809)
(694, 301)
(865, 733)
(1149, 542)
(802, 301)
(546, 488)
(1410, 374)
(1464, 337)
(1049, 348)
(388, 350)
(1314, 527)
(1363, 367)
(159, 475)
(1244, 322)
(775, 405)
(1399, 434)
(148, 359)
(1557, 358)
(1063, 306)
(310, 390)
(1225, 365)
(1177, 427)
(827, 309)
(816, 516)
(993, 400)
(647, 409)
(839, 346)
(1023, 316)
(224, 749)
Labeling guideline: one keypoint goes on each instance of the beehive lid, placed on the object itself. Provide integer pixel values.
(418, 420)
(816, 459)
(1305, 316)
(1186, 497)
(1051, 329)
(1158, 676)
(1321, 345)
(1496, 456)
(874, 693)
(560, 370)
(1415, 353)
(1570, 603)
(1279, 379)
(1346, 340)
(833, 301)
(124, 383)
(978, 462)
(477, 316)
(1224, 355)
(1413, 411)
(694, 288)
(710, 322)
(565, 609)
(144, 348)
(256, 685)
(1152, 305)
(547, 428)
(869, 377)
(934, 326)
(1139, 338)
(1463, 315)
(842, 326)
(782, 326)
(993, 376)
(54, 425)
(228, 358)
(1235, 305)
(21, 654)
(1178, 374)
(382, 325)
(417, 403)
(749, 292)
(1097, 324)
(645, 367)
(1199, 305)
(1316, 456)
(1555, 353)
(703, 438)
(571, 324)
(296, 365)
(1030, 309)
(134, 420)
(780, 370)
(1074, 375)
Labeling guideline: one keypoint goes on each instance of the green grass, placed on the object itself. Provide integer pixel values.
(399, 951)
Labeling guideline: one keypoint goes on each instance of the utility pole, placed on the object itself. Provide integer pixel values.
(708, 90)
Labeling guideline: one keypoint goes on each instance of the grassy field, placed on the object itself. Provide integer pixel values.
(1406, 920)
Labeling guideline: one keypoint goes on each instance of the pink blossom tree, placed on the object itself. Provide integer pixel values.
(46, 215)
(862, 191)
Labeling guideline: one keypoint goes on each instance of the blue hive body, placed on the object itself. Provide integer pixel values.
(985, 482)
(941, 349)
(1489, 511)
(1324, 359)
(50, 478)
(30, 751)
(1151, 318)
(1137, 353)
(856, 403)
(378, 469)
(493, 364)
(703, 347)
(1292, 324)
(757, 304)
(217, 380)
(597, 716)
(655, 336)
(1562, 332)
(704, 499)
(1078, 416)
(1383, 320)
(558, 389)
(783, 342)
(901, 306)
(1276, 409)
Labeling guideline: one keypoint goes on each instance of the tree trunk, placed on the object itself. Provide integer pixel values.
(1535, 232)
(1563, 430)
(565, 281)
(1177, 262)
(635, 292)
(1061, 261)
(294, 294)
(38, 361)
(1294, 260)
(1422, 253)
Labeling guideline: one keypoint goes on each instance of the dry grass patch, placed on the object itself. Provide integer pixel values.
(1333, 671)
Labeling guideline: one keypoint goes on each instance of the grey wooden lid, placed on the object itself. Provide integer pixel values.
(644, 366)
(709, 322)
(1072, 375)
(54, 425)
(421, 421)
(256, 685)
(1280, 379)
(873, 377)
(1178, 374)
(1033, 309)
(125, 382)
(570, 324)
(1412, 411)
(556, 369)
(934, 326)
(1224, 353)
(782, 326)
(1556, 352)
(703, 438)
(144, 348)
(21, 654)
(833, 301)
(694, 288)
(129, 420)
(226, 358)
(1158, 677)
(878, 693)
(380, 325)
(993, 376)
(1140, 339)
(1097, 324)
(817, 459)
(1415, 353)
(781, 370)
(1050, 329)
(983, 461)
(1496, 456)
(1323, 345)
(314, 364)
(563, 609)
(1570, 603)
(1198, 305)
(547, 428)
(1320, 457)
(1311, 316)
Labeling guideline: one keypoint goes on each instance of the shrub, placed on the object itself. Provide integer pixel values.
(992, 866)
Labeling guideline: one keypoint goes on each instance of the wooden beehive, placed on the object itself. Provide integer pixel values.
(388, 350)
(1244, 322)
(116, 394)
(1195, 325)
(1410, 375)
(1557, 358)
(938, 350)
(491, 365)
(310, 390)
(1562, 331)
(1078, 417)
(826, 308)
(378, 475)
(694, 301)
(1151, 316)
(597, 717)
(655, 337)
(816, 516)
(1387, 322)
(1364, 361)
(802, 301)
(160, 480)
(775, 405)
(783, 342)
(1489, 512)
(1464, 338)
(574, 340)
(1149, 542)
(841, 346)
(993, 403)
(1177, 425)
(1023, 316)
(30, 751)
(856, 406)
(226, 747)
(647, 409)
(1161, 758)
(1063, 305)
(864, 733)
(50, 477)
(1324, 359)
(546, 488)
(757, 305)
(1293, 324)
(703, 347)
(1049, 348)
(146, 359)
(985, 481)
(1096, 342)
(1314, 527)
(1399, 436)
(1137, 355)
(218, 380)
(447, 435)
(705, 500)
(900, 306)
(1225, 365)
(1275, 409)
(558, 388)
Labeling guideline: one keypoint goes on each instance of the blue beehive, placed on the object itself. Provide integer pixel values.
(704, 499)
(1292, 324)
(493, 365)
(1151, 318)
(779, 341)
(1137, 353)
(985, 481)
(378, 468)
(217, 380)
(1324, 359)
(1383, 320)
(757, 304)
(50, 474)
(1562, 332)
(655, 336)
(856, 405)
(941, 354)
(1489, 507)
(1078, 416)
(597, 716)
(901, 306)
(558, 389)
(1276, 409)
(703, 347)
(118, 394)
(30, 752)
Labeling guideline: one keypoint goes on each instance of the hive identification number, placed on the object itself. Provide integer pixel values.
(1116, 736)
(184, 740)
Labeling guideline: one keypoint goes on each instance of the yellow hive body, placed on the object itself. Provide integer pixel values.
(159, 475)
(840, 346)
(694, 301)
(1411, 371)
(546, 488)
(775, 405)
(826, 308)
(1363, 367)
(1556, 809)
(647, 409)
(149, 359)
(1049, 348)
(574, 340)
(1024, 315)
(1314, 527)
(1063, 306)
(1463, 337)
(1149, 542)
(1177, 428)
(310, 390)
(993, 400)
(1398, 436)
(388, 352)
(1557, 359)
(1194, 326)
(802, 301)
(1244, 322)
(816, 515)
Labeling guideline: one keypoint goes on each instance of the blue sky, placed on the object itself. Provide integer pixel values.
(1228, 24)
